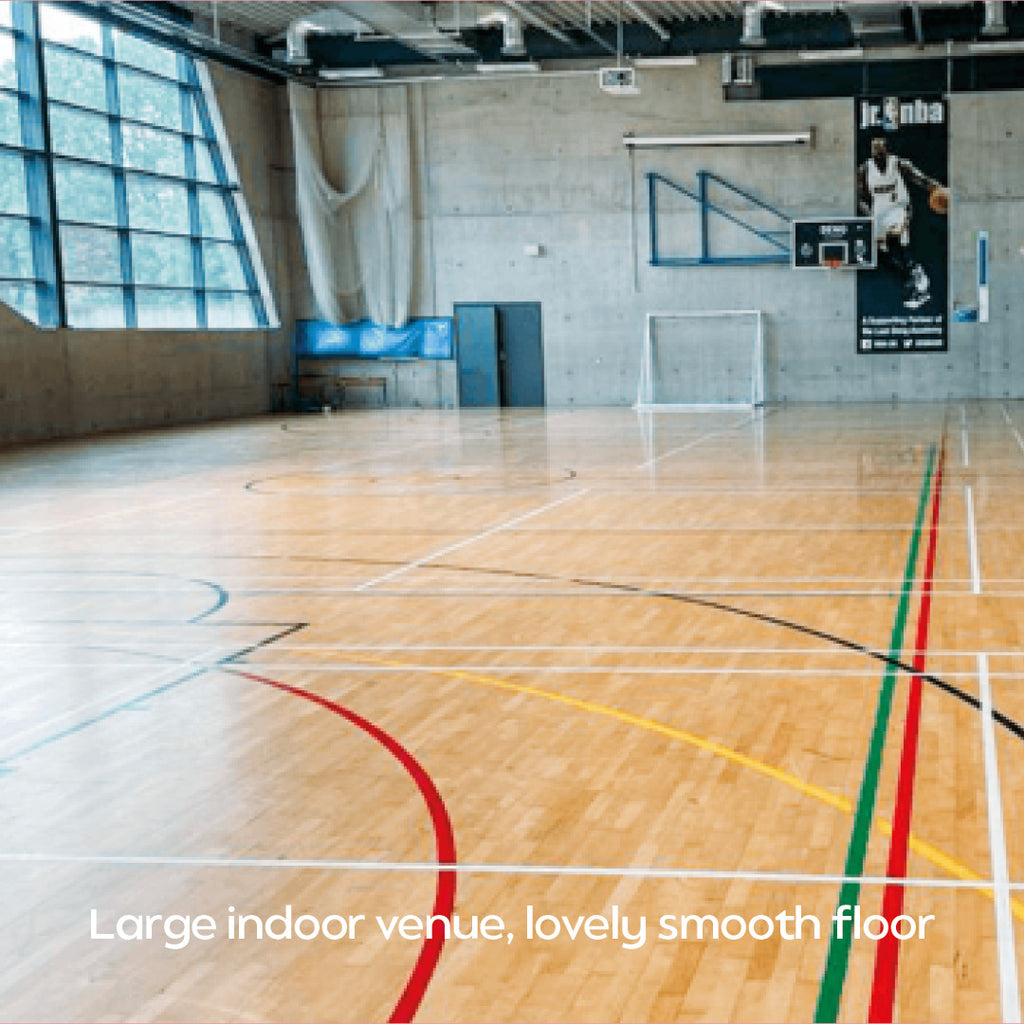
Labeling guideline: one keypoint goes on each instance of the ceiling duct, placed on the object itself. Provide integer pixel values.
(876, 22)
(995, 19)
(753, 15)
(299, 31)
(410, 25)
(512, 42)
(752, 31)
(373, 21)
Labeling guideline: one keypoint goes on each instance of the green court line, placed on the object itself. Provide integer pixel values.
(834, 975)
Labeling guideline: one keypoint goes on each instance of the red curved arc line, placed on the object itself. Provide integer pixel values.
(444, 894)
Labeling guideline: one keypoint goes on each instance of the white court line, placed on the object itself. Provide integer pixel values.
(108, 697)
(504, 669)
(584, 870)
(1013, 429)
(432, 442)
(607, 649)
(638, 591)
(716, 526)
(1009, 986)
(618, 591)
(236, 586)
(678, 672)
(500, 668)
(637, 649)
(687, 581)
(469, 540)
(596, 591)
(30, 531)
(972, 541)
(631, 670)
(693, 444)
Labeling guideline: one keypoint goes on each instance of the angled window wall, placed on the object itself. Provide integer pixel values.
(119, 205)
(27, 270)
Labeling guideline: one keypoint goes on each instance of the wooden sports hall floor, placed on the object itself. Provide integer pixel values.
(612, 666)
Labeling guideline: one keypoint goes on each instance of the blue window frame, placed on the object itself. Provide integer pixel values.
(117, 208)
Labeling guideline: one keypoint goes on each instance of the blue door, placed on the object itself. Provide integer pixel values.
(520, 354)
(476, 331)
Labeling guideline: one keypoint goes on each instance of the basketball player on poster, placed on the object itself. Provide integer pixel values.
(883, 193)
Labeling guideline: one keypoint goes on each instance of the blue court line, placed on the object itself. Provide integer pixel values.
(222, 599)
(139, 699)
(109, 713)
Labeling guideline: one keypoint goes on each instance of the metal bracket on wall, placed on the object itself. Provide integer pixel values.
(776, 248)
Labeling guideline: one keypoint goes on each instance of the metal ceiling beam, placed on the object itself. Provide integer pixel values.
(538, 22)
(649, 21)
(587, 30)
(169, 32)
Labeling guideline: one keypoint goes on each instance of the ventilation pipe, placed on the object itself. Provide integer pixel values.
(298, 32)
(512, 41)
(295, 40)
(752, 33)
(995, 18)
(752, 14)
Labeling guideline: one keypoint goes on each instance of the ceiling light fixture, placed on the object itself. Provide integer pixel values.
(339, 74)
(805, 138)
(997, 46)
(516, 67)
(847, 53)
(665, 62)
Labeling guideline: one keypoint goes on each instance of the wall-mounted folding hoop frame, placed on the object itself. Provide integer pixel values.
(756, 226)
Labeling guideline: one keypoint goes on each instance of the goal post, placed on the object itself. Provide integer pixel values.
(702, 359)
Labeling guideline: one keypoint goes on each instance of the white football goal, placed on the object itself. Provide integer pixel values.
(702, 359)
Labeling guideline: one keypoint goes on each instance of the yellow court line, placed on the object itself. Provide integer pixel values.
(924, 849)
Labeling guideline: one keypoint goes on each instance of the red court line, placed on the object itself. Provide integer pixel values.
(444, 894)
(887, 952)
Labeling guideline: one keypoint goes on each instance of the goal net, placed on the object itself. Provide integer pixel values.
(702, 359)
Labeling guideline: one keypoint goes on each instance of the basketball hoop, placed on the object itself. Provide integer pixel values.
(840, 243)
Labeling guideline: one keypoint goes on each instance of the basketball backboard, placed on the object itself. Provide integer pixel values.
(840, 243)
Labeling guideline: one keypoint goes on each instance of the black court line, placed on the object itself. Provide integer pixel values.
(1012, 726)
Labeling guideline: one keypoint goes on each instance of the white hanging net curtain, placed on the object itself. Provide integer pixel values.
(357, 237)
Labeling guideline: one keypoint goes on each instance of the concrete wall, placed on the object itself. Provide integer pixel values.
(987, 169)
(499, 166)
(371, 383)
(60, 383)
(505, 164)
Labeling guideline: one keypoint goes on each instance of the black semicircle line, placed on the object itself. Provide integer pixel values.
(1010, 724)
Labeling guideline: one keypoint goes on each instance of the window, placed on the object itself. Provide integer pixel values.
(26, 258)
(122, 212)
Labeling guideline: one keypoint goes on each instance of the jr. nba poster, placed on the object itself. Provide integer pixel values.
(902, 183)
